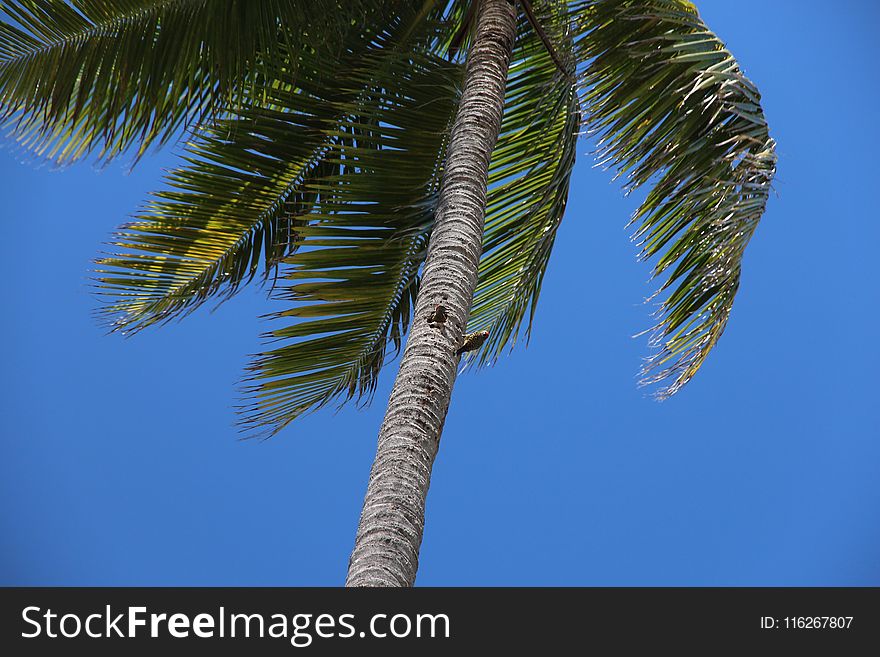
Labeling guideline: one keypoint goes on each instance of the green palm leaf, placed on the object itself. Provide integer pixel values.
(333, 177)
(673, 108)
(528, 187)
(328, 170)
(78, 76)
(364, 239)
(234, 207)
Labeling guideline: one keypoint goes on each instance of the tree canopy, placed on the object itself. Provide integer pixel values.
(314, 135)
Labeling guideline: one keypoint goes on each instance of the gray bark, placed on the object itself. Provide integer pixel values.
(386, 549)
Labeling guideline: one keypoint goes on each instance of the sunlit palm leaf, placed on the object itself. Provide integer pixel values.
(335, 177)
(528, 187)
(81, 76)
(673, 108)
(234, 207)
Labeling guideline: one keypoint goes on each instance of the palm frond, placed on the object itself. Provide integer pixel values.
(331, 177)
(234, 207)
(529, 179)
(364, 239)
(104, 76)
(672, 107)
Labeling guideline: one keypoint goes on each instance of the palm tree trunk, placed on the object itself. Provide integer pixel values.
(386, 551)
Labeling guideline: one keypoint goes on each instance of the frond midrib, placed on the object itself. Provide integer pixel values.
(96, 29)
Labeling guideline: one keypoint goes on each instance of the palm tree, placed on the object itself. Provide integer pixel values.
(389, 166)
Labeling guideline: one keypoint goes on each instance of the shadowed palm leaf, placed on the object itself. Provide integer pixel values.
(528, 187)
(354, 281)
(343, 166)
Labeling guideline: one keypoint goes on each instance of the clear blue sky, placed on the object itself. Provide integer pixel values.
(120, 464)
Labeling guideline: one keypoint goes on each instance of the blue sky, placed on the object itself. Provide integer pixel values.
(120, 465)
